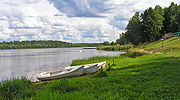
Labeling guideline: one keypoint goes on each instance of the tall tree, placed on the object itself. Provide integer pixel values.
(160, 10)
(178, 18)
(134, 30)
(152, 24)
(171, 18)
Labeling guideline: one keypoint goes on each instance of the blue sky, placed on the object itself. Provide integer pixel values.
(69, 20)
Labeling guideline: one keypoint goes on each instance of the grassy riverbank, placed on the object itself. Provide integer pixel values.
(115, 48)
(170, 47)
(133, 76)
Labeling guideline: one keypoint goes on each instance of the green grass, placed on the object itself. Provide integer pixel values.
(16, 89)
(94, 60)
(169, 46)
(133, 76)
(114, 48)
(145, 77)
(47, 95)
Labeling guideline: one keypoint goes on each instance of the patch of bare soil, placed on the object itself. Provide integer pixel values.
(147, 52)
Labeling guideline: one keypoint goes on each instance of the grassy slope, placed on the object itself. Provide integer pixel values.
(146, 77)
(170, 46)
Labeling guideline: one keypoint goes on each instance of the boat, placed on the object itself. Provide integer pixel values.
(70, 72)
(101, 65)
(92, 68)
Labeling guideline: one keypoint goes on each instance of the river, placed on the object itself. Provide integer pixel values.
(29, 62)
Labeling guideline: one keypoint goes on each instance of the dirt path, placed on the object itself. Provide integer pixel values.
(147, 52)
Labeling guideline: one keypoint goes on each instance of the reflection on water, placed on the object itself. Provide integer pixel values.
(29, 62)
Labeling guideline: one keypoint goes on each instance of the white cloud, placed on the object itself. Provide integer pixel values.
(70, 20)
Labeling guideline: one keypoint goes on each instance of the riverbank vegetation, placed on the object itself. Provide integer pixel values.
(44, 44)
(114, 48)
(16, 89)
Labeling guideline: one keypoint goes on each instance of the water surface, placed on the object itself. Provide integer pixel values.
(29, 62)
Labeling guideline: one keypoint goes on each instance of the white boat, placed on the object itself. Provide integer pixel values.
(101, 65)
(92, 68)
(71, 72)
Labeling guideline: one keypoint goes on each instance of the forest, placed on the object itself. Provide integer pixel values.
(151, 25)
(43, 44)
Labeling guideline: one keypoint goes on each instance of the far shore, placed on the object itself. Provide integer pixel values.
(51, 48)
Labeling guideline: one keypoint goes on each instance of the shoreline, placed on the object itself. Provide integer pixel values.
(144, 75)
(126, 72)
(42, 48)
(53, 65)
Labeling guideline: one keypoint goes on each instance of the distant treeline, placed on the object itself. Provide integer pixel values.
(151, 25)
(44, 44)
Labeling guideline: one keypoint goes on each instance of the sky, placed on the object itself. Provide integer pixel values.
(73, 21)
